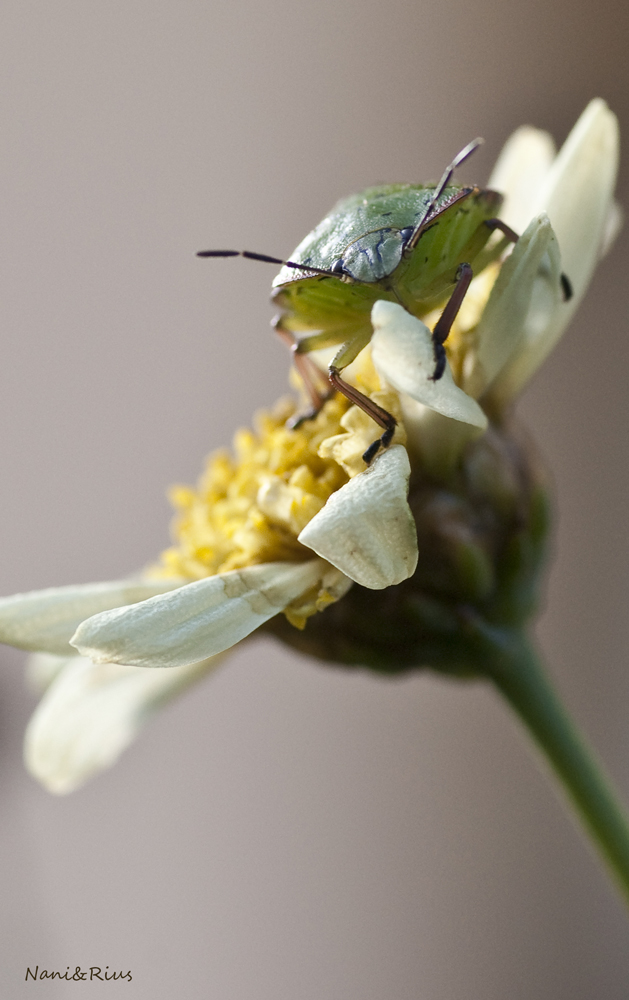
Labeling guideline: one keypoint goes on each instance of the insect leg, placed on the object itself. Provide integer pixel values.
(381, 416)
(310, 373)
(344, 357)
(506, 230)
(464, 275)
(512, 237)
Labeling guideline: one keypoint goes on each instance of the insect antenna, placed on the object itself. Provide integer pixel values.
(441, 186)
(266, 259)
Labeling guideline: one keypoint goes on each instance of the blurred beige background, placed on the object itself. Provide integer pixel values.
(286, 831)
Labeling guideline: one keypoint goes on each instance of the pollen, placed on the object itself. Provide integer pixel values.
(252, 502)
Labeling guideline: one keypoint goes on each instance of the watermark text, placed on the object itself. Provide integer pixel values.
(88, 975)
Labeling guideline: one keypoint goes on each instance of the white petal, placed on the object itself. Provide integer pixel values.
(613, 224)
(334, 585)
(366, 528)
(45, 620)
(578, 197)
(519, 173)
(578, 192)
(434, 441)
(42, 669)
(521, 304)
(198, 620)
(91, 713)
(402, 351)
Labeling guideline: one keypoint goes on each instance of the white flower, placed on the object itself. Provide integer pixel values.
(577, 195)
(96, 702)
(295, 520)
(90, 713)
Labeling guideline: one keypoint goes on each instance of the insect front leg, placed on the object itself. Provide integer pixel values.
(464, 275)
(382, 417)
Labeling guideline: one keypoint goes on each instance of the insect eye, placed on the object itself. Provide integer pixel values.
(406, 233)
(337, 267)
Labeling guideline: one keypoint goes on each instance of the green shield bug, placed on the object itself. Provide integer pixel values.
(418, 245)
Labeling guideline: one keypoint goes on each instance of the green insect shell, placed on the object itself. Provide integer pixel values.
(364, 240)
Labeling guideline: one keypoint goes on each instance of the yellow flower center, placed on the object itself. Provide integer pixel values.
(250, 505)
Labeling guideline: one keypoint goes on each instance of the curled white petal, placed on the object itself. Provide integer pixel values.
(577, 195)
(520, 170)
(198, 620)
(91, 713)
(434, 441)
(520, 307)
(402, 351)
(45, 620)
(335, 584)
(366, 528)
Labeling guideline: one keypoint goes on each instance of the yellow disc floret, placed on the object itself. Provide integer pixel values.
(249, 506)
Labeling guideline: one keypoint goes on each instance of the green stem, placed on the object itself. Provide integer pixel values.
(512, 664)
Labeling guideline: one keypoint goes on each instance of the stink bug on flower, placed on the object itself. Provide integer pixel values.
(414, 244)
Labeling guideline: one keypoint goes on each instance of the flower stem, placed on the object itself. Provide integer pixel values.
(516, 671)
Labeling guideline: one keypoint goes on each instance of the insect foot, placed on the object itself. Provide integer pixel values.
(381, 442)
(295, 422)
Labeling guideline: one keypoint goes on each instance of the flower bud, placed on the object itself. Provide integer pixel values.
(481, 539)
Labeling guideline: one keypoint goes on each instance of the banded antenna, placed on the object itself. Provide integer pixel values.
(265, 257)
(410, 245)
(441, 186)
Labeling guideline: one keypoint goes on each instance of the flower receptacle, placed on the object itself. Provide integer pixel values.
(482, 539)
